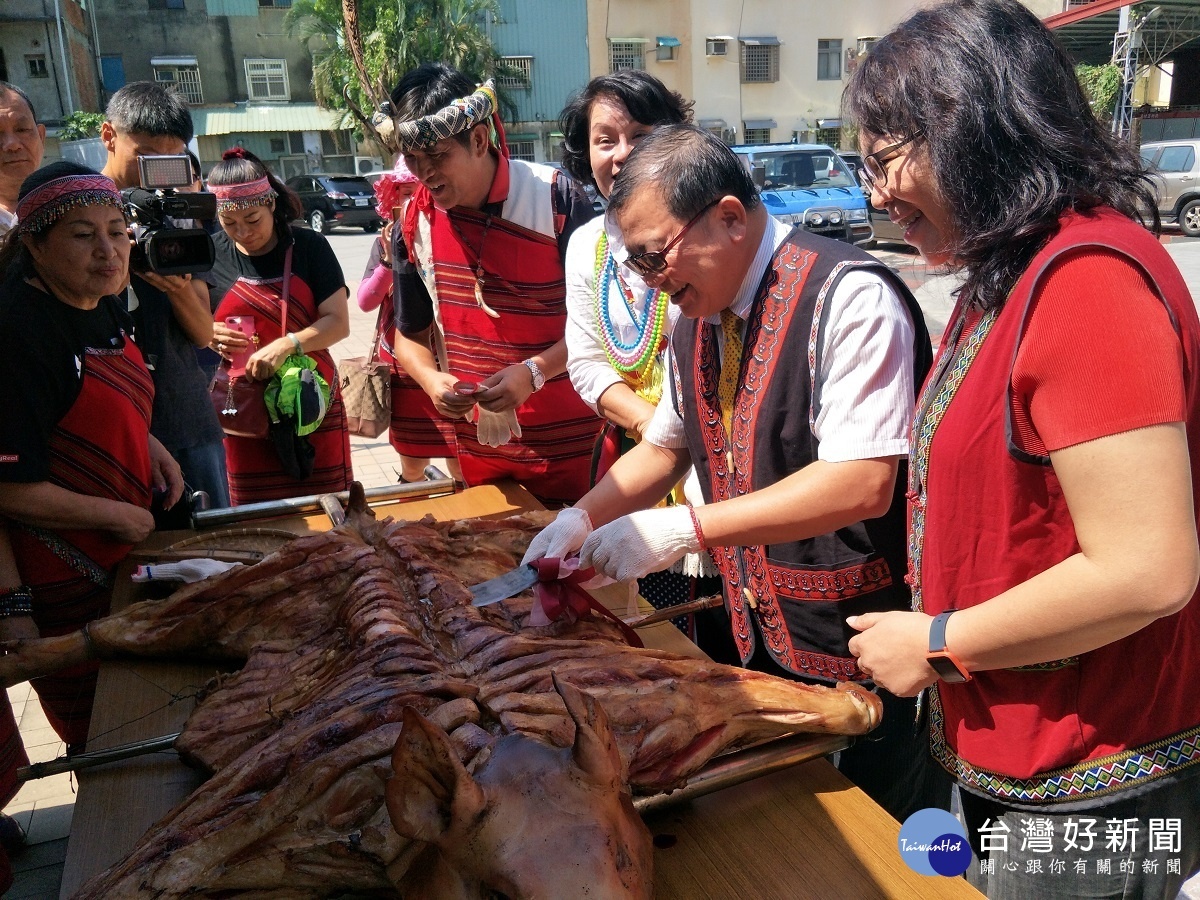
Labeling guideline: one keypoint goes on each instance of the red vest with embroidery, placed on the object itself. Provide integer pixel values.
(484, 259)
(795, 597)
(986, 516)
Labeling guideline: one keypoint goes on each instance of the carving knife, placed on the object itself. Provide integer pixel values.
(522, 578)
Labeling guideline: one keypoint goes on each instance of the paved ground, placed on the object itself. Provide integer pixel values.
(45, 806)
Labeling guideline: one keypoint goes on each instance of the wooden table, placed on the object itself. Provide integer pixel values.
(805, 832)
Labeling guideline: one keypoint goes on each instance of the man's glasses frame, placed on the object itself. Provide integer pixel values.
(652, 262)
(875, 169)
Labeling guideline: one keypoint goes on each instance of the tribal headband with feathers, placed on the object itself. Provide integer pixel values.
(459, 116)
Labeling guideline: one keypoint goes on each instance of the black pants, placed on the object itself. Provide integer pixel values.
(892, 764)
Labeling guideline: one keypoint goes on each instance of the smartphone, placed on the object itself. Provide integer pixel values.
(244, 324)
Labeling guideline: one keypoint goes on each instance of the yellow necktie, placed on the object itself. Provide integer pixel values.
(731, 364)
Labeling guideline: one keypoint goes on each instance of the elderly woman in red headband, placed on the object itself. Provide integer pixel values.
(78, 467)
(279, 291)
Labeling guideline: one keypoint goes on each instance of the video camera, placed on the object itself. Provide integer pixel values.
(158, 246)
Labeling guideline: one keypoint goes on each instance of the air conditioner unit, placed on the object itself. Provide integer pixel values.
(716, 47)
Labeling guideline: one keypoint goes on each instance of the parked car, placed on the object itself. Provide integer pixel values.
(1175, 168)
(882, 226)
(809, 185)
(332, 200)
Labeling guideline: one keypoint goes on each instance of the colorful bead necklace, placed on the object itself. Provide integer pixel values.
(632, 358)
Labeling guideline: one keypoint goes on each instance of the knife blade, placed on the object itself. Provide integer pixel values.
(504, 586)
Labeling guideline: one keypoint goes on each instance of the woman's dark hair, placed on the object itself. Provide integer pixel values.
(1010, 136)
(237, 166)
(689, 166)
(426, 89)
(647, 99)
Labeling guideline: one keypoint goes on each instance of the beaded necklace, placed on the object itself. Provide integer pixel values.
(636, 357)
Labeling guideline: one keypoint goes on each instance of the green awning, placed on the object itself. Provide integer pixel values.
(245, 119)
(667, 41)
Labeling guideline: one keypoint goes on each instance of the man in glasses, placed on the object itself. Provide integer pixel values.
(792, 388)
(481, 307)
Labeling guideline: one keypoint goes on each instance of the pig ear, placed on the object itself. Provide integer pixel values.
(431, 789)
(595, 751)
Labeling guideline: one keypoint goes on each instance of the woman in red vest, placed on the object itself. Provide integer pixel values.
(1055, 469)
(285, 280)
(78, 466)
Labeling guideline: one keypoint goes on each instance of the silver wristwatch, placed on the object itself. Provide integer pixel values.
(536, 371)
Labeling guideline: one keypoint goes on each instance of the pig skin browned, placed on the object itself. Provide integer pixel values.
(348, 635)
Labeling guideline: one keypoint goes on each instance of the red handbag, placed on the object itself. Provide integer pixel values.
(240, 401)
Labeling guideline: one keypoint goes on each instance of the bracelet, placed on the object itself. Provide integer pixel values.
(296, 341)
(696, 524)
(17, 601)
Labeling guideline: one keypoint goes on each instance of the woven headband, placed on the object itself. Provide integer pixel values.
(45, 205)
(242, 196)
(459, 116)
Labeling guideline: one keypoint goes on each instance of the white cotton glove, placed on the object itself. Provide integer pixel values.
(560, 538)
(497, 429)
(188, 570)
(640, 543)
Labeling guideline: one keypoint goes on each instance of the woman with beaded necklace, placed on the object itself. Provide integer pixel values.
(617, 326)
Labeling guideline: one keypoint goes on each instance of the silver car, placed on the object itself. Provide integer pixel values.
(1175, 167)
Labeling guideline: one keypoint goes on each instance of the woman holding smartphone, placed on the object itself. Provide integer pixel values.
(259, 253)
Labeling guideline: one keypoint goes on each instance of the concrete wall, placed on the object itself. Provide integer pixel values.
(220, 43)
(798, 100)
(28, 27)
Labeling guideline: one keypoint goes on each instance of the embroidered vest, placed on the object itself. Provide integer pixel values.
(794, 597)
(986, 516)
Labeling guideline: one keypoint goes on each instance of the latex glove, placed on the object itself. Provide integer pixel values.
(562, 537)
(187, 570)
(640, 543)
(497, 429)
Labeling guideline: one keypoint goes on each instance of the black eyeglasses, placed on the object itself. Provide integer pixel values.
(651, 262)
(875, 168)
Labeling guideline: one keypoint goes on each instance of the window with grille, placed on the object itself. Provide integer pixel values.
(757, 135)
(296, 142)
(335, 143)
(517, 72)
(267, 79)
(829, 60)
(830, 136)
(37, 66)
(760, 63)
(278, 145)
(625, 55)
(186, 80)
(165, 4)
(522, 150)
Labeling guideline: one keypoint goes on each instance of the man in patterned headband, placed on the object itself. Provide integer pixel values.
(480, 294)
(171, 313)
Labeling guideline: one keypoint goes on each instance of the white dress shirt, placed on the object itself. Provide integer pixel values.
(862, 401)
(587, 363)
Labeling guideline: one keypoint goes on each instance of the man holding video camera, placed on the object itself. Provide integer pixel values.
(171, 312)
